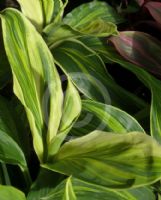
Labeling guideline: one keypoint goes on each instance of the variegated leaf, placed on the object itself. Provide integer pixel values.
(34, 76)
(111, 160)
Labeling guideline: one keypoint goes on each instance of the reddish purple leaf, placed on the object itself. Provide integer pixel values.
(140, 2)
(139, 48)
(155, 10)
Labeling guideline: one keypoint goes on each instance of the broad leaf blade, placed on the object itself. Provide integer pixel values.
(85, 13)
(40, 188)
(86, 191)
(104, 117)
(8, 192)
(10, 152)
(34, 75)
(54, 35)
(155, 10)
(111, 160)
(86, 69)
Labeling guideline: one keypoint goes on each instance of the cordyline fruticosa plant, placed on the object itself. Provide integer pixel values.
(110, 157)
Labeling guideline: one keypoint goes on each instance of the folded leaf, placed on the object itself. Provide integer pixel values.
(155, 10)
(47, 10)
(70, 113)
(34, 75)
(85, 13)
(8, 192)
(111, 160)
(85, 191)
(99, 116)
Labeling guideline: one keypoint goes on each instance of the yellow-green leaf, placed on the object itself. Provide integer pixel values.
(112, 160)
(35, 76)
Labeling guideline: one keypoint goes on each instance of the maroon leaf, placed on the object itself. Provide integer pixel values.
(139, 48)
(155, 10)
(140, 2)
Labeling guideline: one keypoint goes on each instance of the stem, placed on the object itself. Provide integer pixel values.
(5, 174)
(27, 176)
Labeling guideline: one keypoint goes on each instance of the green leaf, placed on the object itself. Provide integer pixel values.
(12, 124)
(10, 141)
(85, 13)
(87, 71)
(48, 10)
(71, 108)
(35, 76)
(33, 11)
(86, 191)
(150, 81)
(70, 113)
(54, 35)
(99, 28)
(111, 160)
(40, 188)
(59, 7)
(104, 117)
(43, 12)
(10, 152)
(8, 192)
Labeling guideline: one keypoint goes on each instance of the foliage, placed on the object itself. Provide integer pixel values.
(68, 130)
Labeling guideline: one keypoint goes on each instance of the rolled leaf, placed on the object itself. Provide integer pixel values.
(71, 110)
(140, 49)
(85, 13)
(155, 10)
(48, 10)
(8, 192)
(34, 75)
(111, 160)
(85, 191)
